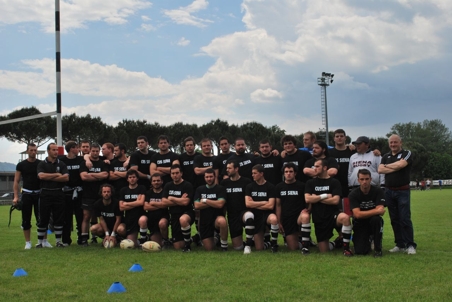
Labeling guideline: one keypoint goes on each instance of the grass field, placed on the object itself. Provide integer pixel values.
(85, 274)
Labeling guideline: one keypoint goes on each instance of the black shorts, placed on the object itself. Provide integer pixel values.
(260, 220)
(176, 232)
(207, 225)
(88, 203)
(132, 225)
(154, 218)
(290, 224)
(324, 229)
(235, 224)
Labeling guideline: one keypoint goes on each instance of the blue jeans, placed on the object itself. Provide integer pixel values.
(398, 203)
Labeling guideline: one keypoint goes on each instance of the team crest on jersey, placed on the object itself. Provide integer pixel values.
(187, 162)
(163, 161)
(146, 161)
(259, 194)
(209, 196)
(234, 190)
(175, 193)
(322, 188)
(106, 214)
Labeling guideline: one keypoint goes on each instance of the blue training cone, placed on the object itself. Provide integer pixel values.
(20, 272)
(135, 268)
(116, 287)
(49, 232)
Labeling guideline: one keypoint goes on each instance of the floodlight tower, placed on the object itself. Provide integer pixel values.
(325, 80)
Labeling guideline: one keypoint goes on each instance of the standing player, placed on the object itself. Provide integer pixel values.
(164, 159)
(221, 159)
(272, 163)
(72, 193)
(260, 202)
(118, 170)
(131, 202)
(293, 155)
(309, 139)
(235, 195)
(177, 195)
(27, 170)
(110, 217)
(157, 216)
(92, 179)
(324, 193)
(85, 147)
(320, 151)
(53, 174)
(246, 160)
(367, 203)
(140, 161)
(186, 160)
(396, 165)
(292, 211)
(204, 161)
(209, 200)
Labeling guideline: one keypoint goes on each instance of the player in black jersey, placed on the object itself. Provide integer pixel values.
(157, 216)
(324, 193)
(140, 161)
(210, 200)
(222, 158)
(72, 193)
(260, 201)
(292, 210)
(118, 169)
(235, 196)
(204, 161)
(186, 160)
(110, 217)
(164, 159)
(178, 196)
(131, 202)
(92, 179)
(27, 170)
(272, 163)
(292, 155)
(320, 151)
(246, 160)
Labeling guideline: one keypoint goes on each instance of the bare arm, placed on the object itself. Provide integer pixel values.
(309, 172)
(392, 167)
(332, 172)
(100, 176)
(141, 175)
(124, 206)
(17, 176)
(358, 214)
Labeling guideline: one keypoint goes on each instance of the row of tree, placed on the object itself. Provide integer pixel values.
(429, 141)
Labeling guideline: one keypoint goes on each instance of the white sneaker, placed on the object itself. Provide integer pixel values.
(397, 249)
(247, 250)
(45, 243)
(411, 250)
(28, 245)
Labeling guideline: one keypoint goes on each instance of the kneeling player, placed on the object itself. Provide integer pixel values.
(157, 218)
(260, 202)
(367, 203)
(291, 210)
(107, 209)
(209, 200)
(324, 193)
(131, 202)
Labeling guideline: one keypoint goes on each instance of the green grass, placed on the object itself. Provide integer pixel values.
(85, 274)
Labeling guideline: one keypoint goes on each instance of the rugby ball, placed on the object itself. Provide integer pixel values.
(127, 244)
(108, 244)
(151, 246)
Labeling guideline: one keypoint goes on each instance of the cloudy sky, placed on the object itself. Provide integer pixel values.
(250, 60)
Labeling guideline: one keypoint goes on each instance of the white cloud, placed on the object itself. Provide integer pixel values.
(184, 15)
(74, 13)
(147, 27)
(145, 18)
(265, 96)
(183, 42)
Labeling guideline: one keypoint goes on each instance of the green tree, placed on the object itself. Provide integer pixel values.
(439, 166)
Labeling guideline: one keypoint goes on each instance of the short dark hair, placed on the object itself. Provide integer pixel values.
(206, 139)
(364, 172)
(142, 137)
(339, 131)
(31, 145)
(156, 175)
(95, 146)
(134, 172)
(112, 189)
(85, 141)
(209, 171)
(288, 138)
(291, 165)
(322, 145)
(234, 163)
(48, 146)
(189, 139)
(264, 141)
(176, 166)
(70, 145)
(239, 139)
(163, 138)
(323, 162)
(121, 146)
(224, 138)
(259, 168)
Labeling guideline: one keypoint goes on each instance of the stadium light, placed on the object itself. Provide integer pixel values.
(325, 80)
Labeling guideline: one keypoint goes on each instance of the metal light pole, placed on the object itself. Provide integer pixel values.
(58, 78)
(323, 82)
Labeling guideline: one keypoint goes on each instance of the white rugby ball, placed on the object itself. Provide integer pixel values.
(108, 244)
(127, 244)
(151, 246)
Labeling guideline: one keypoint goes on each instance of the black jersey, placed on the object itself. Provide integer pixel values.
(118, 166)
(246, 162)
(316, 186)
(217, 192)
(143, 162)
(164, 161)
(171, 189)
(221, 161)
(48, 167)
(273, 166)
(366, 202)
(202, 161)
(130, 195)
(235, 194)
(91, 188)
(260, 193)
(186, 162)
(107, 212)
(292, 198)
(343, 159)
(73, 166)
(299, 158)
(29, 172)
(402, 177)
(157, 197)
